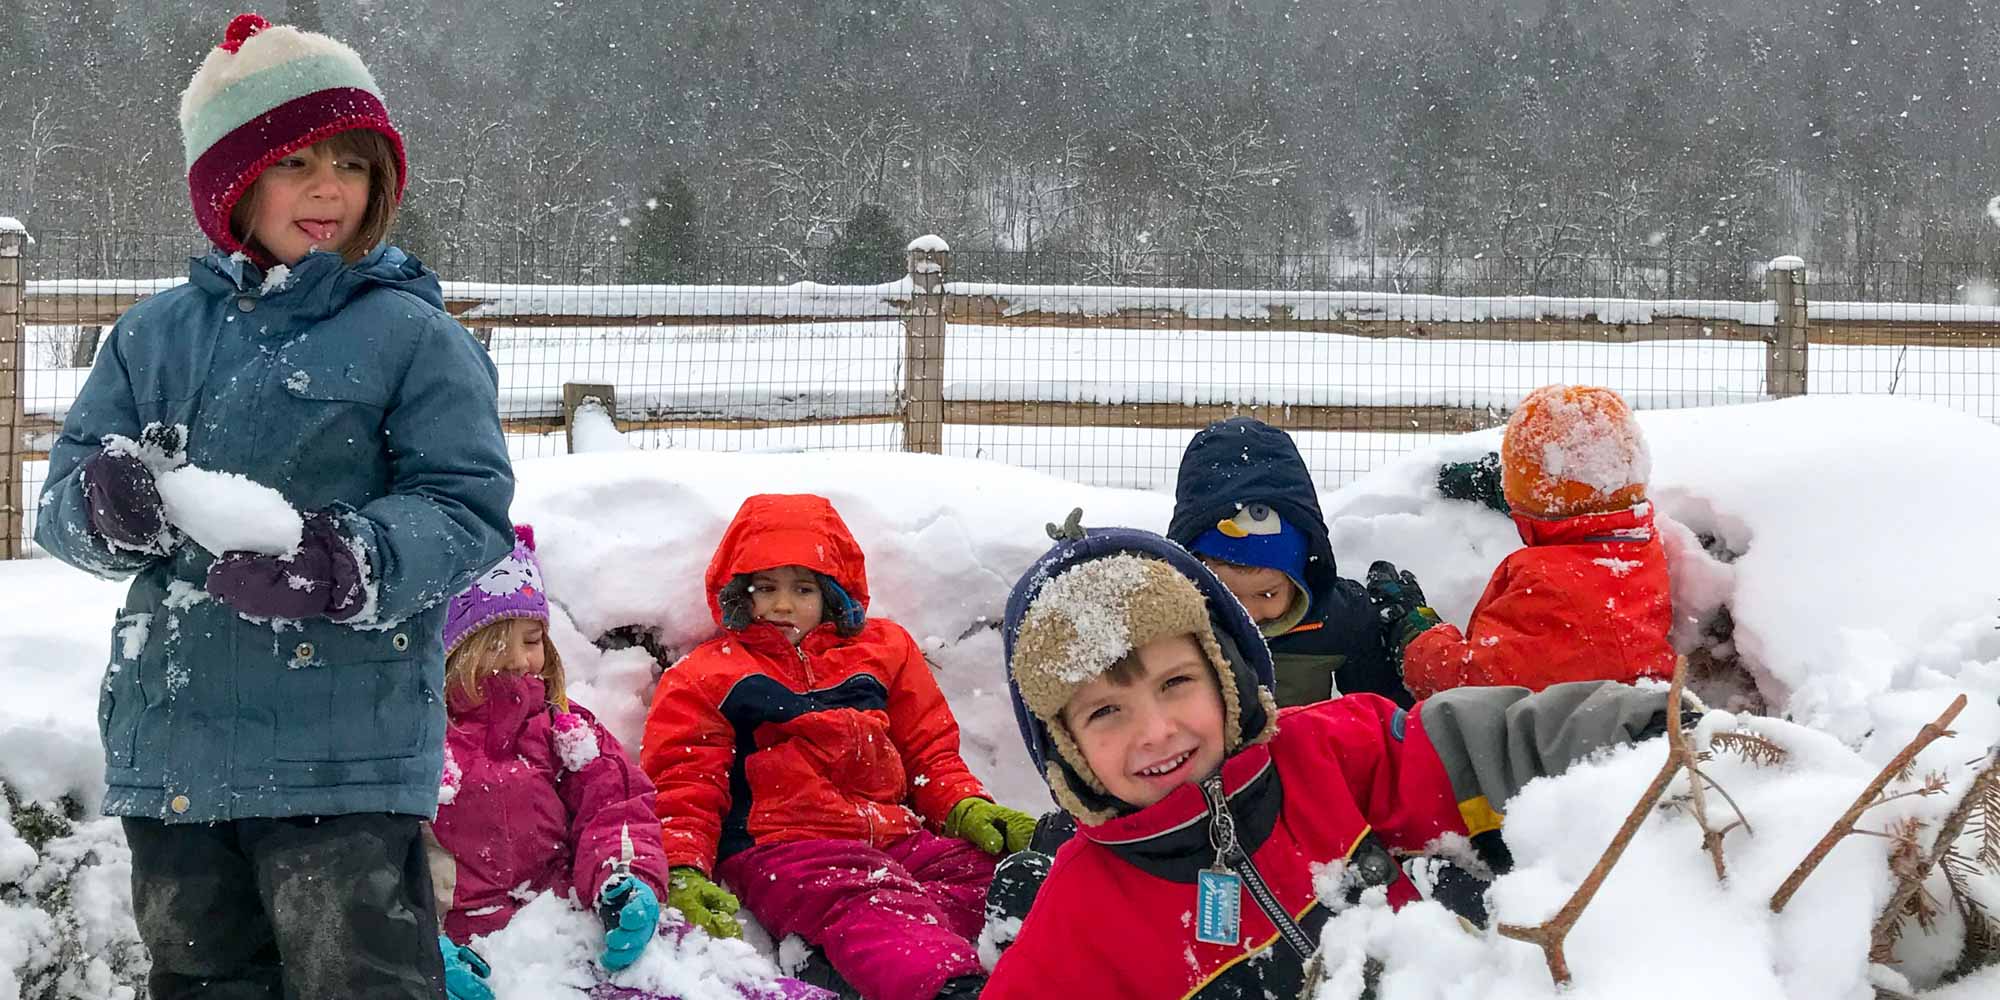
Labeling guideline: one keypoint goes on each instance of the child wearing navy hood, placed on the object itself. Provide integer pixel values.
(1245, 504)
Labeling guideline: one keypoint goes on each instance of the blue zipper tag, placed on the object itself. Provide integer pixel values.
(1218, 907)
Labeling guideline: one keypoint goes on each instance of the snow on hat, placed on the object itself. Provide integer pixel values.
(265, 93)
(1081, 623)
(1573, 450)
(1257, 536)
(513, 589)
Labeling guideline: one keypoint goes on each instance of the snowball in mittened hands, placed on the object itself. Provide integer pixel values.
(324, 578)
(225, 512)
(631, 914)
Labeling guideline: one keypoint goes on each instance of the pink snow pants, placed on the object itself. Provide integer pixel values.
(895, 922)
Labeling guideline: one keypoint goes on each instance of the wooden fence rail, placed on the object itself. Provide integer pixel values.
(929, 303)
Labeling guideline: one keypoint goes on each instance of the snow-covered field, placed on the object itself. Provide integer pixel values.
(1857, 537)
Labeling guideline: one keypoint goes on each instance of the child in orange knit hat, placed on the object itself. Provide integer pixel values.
(1588, 597)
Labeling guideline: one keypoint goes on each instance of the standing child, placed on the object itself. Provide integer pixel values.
(808, 758)
(537, 794)
(1144, 693)
(1245, 503)
(1588, 598)
(274, 724)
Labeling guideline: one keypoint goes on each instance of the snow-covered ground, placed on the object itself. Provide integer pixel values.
(1860, 541)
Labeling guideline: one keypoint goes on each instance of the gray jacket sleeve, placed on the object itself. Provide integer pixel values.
(1493, 740)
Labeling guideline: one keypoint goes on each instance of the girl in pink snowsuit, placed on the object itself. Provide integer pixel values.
(537, 795)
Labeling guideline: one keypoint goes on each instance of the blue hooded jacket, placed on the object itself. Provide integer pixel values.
(345, 388)
(1243, 460)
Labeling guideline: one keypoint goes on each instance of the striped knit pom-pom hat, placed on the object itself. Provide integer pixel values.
(265, 93)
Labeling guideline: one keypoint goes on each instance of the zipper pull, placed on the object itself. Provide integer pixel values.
(1218, 889)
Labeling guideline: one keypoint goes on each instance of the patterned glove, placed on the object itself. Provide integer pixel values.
(464, 972)
(1478, 481)
(704, 904)
(323, 579)
(992, 828)
(1399, 604)
(630, 913)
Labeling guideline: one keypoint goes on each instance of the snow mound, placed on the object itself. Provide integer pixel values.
(1851, 540)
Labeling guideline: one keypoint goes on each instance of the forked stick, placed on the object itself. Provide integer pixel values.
(1549, 934)
(1869, 798)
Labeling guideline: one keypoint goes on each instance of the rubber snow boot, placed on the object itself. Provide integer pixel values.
(962, 988)
(816, 970)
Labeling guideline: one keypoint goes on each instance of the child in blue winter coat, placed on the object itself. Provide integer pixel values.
(273, 722)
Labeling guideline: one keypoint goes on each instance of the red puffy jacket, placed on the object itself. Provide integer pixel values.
(752, 740)
(1344, 779)
(1588, 599)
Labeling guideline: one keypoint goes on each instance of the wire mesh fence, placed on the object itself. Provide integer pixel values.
(1098, 366)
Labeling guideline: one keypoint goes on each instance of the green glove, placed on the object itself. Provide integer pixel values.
(1399, 603)
(704, 904)
(1477, 481)
(992, 828)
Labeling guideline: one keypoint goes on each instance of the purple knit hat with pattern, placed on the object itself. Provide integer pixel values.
(512, 589)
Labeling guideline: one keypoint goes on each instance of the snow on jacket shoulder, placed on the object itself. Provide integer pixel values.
(538, 800)
(1587, 599)
(752, 740)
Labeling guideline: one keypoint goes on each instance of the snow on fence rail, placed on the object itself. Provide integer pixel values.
(930, 363)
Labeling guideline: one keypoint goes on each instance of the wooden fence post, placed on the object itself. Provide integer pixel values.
(13, 382)
(923, 346)
(575, 394)
(1785, 364)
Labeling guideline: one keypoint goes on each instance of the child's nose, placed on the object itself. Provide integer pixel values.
(1155, 725)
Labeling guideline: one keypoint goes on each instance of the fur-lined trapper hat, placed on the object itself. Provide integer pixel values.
(1088, 603)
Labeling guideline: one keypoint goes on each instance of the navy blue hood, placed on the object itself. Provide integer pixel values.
(1245, 460)
(1234, 631)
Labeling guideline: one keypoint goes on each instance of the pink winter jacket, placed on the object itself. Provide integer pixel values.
(534, 799)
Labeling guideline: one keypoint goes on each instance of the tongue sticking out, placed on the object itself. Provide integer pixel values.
(317, 230)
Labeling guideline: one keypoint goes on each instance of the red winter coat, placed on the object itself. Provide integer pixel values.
(752, 740)
(537, 799)
(1588, 599)
(1346, 778)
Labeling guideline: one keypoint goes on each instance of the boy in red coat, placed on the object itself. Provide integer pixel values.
(808, 758)
(1588, 598)
(1143, 690)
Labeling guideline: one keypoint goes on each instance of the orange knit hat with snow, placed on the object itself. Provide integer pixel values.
(1573, 449)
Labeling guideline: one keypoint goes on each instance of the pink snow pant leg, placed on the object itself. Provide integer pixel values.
(895, 923)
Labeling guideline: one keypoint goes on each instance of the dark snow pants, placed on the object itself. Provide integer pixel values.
(305, 908)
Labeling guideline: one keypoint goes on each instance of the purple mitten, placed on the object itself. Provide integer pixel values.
(124, 502)
(324, 578)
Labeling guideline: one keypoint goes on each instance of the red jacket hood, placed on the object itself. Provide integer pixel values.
(1633, 524)
(780, 529)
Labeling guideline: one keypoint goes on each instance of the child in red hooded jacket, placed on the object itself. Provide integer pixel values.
(807, 758)
(1588, 597)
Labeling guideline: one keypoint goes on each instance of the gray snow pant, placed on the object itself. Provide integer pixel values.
(305, 908)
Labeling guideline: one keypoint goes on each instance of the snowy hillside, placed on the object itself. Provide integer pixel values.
(1857, 543)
